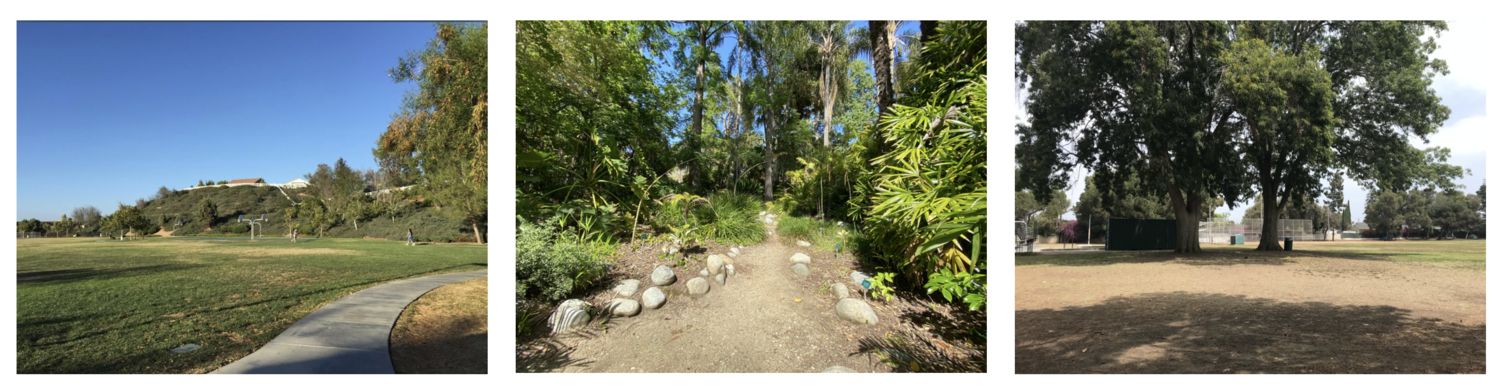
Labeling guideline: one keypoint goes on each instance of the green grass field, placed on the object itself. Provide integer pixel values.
(89, 305)
(1450, 253)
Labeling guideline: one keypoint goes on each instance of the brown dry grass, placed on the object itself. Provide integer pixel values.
(444, 331)
(1356, 307)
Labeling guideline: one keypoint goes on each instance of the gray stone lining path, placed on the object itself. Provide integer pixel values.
(349, 336)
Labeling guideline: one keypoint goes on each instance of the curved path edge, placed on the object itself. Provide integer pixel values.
(348, 336)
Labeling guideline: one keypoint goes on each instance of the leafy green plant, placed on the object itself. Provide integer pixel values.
(965, 286)
(551, 265)
(928, 208)
(882, 286)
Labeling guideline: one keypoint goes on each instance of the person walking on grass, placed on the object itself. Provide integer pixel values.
(411, 239)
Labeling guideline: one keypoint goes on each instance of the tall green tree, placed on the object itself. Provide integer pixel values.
(1336, 202)
(697, 53)
(1263, 85)
(1285, 99)
(1383, 212)
(448, 119)
(784, 60)
(591, 118)
(927, 219)
(208, 212)
(1130, 99)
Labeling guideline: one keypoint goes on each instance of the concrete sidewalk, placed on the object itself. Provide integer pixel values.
(349, 336)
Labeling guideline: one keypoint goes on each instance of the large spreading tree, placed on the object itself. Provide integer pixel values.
(1216, 109)
(443, 129)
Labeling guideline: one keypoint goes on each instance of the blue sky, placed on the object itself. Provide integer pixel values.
(110, 111)
(1463, 47)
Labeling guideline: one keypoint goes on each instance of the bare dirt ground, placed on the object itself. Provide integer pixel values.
(1307, 312)
(765, 319)
(444, 331)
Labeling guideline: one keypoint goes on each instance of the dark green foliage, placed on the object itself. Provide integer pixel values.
(591, 122)
(551, 265)
(182, 216)
(724, 217)
(928, 213)
(428, 224)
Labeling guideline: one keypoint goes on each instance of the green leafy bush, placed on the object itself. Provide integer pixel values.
(824, 234)
(551, 266)
(928, 215)
(725, 217)
(882, 286)
(233, 228)
(732, 219)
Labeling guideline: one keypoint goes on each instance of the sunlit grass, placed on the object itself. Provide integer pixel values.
(90, 305)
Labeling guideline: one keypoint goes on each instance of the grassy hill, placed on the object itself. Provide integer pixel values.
(179, 212)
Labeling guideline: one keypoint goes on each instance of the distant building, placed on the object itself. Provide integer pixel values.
(247, 182)
(295, 184)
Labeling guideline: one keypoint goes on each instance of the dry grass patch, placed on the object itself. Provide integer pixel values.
(444, 331)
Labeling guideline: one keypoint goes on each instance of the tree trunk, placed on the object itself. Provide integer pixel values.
(478, 238)
(1186, 210)
(892, 43)
(929, 29)
(880, 54)
(696, 128)
(1270, 219)
(770, 177)
(830, 93)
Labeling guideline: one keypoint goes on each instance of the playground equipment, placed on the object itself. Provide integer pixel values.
(253, 223)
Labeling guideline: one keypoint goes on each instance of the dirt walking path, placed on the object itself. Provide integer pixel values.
(764, 319)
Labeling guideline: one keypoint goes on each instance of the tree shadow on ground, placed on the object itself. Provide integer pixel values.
(76, 274)
(906, 354)
(1205, 258)
(930, 337)
(1215, 333)
(45, 336)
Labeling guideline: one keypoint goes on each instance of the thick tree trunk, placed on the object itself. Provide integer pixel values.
(1270, 221)
(1186, 210)
(478, 237)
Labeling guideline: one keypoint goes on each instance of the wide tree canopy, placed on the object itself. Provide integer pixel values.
(1222, 109)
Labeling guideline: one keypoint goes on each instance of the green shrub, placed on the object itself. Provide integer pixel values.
(551, 266)
(233, 228)
(823, 234)
(724, 217)
(797, 228)
(733, 219)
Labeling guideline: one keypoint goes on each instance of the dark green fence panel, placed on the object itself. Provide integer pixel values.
(1141, 234)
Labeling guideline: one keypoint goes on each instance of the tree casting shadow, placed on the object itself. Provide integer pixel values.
(1215, 333)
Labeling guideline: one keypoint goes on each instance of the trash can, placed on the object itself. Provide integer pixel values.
(1286, 243)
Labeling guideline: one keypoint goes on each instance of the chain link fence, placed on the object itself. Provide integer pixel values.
(1298, 229)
